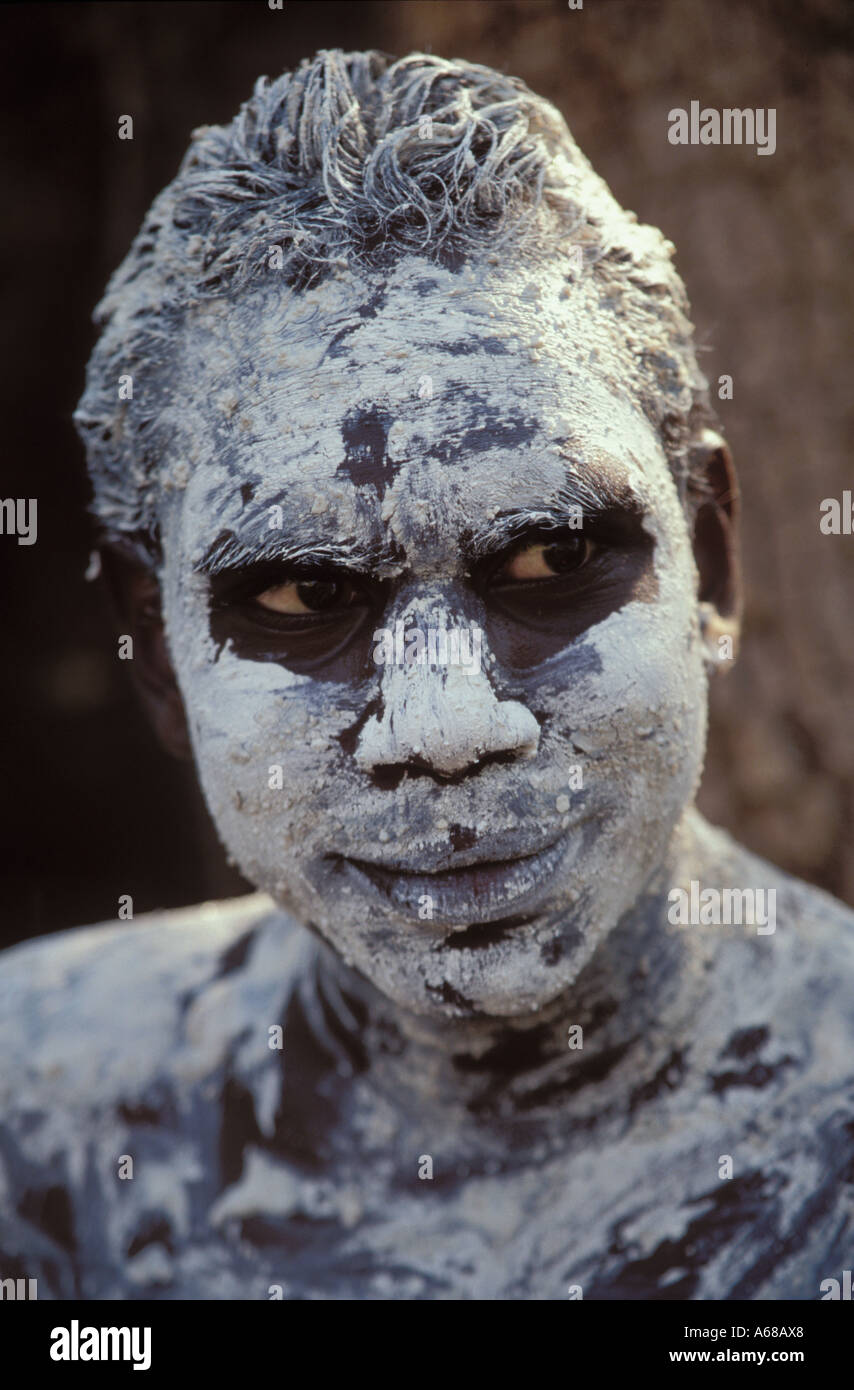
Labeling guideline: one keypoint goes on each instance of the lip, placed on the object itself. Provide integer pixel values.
(478, 890)
(505, 846)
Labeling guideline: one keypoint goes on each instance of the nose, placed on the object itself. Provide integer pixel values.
(446, 724)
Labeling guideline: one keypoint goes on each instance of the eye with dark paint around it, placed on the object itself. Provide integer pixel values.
(558, 582)
(305, 619)
(299, 597)
(545, 559)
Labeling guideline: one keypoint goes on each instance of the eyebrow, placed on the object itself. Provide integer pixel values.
(232, 552)
(598, 496)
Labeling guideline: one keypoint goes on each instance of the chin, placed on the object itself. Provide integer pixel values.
(504, 969)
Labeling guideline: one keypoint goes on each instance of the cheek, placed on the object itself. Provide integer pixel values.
(629, 707)
(264, 741)
(647, 700)
(269, 761)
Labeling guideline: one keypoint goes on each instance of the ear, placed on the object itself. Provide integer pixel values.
(136, 596)
(716, 544)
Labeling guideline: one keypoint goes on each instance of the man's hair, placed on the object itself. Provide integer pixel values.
(357, 160)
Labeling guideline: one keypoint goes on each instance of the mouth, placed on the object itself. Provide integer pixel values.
(484, 891)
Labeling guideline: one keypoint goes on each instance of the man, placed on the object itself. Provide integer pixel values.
(506, 1018)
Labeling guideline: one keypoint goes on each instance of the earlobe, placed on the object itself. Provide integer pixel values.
(719, 636)
(715, 541)
(136, 595)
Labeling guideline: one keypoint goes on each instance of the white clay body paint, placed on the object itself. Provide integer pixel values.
(467, 340)
(523, 396)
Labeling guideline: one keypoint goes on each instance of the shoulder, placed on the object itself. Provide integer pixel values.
(91, 1012)
(766, 1080)
(778, 1009)
(117, 1042)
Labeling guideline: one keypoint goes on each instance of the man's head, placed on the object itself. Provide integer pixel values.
(402, 365)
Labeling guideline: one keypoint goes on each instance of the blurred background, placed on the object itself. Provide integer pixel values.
(92, 808)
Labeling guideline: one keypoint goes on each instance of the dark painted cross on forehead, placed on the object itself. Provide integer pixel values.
(365, 437)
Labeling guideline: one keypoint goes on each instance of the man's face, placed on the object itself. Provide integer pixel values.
(432, 451)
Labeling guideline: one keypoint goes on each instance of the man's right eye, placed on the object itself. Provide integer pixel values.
(307, 621)
(302, 596)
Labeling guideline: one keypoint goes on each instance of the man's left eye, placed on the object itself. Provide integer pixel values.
(545, 560)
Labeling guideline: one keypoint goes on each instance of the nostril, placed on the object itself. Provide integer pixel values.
(389, 777)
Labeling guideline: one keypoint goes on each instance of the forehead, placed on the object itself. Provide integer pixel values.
(414, 405)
